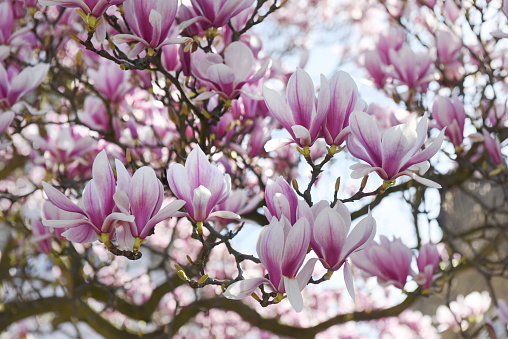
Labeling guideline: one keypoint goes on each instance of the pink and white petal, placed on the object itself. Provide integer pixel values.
(423, 181)
(155, 19)
(278, 108)
(112, 219)
(167, 212)
(295, 247)
(260, 72)
(269, 249)
(348, 279)
(60, 200)
(361, 170)
(144, 195)
(26, 81)
(67, 223)
(294, 294)
(428, 152)
(4, 52)
(240, 59)
(124, 238)
(205, 96)
(138, 48)
(6, 120)
(302, 135)
(305, 273)
(123, 178)
(330, 234)
(122, 201)
(360, 236)
(178, 182)
(365, 130)
(100, 32)
(322, 106)
(275, 144)
(200, 200)
(175, 41)
(300, 97)
(128, 38)
(224, 215)
(104, 180)
(244, 288)
(420, 168)
(344, 213)
(81, 234)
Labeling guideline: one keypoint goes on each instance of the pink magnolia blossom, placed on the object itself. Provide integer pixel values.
(450, 10)
(344, 99)
(95, 114)
(239, 202)
(282, 249)
(330, 239)
(140, 196)
(493, 147)
(91, 12)
(110, 81)
(41, 235)
(428, 261)
(150, 21)
(450, 113)
(15, 84)
(502, 311)
(300, 113)
(201, 185)
(217, 13)
(8, 34)
(99, 209)
(412, 69)
(389, 261)
(281, 200)
(397, 152)
(448, 47)
(376, 68)
(227, 76)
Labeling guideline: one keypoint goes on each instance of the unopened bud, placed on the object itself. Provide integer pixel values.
(337, 184)
(255, 296)
(203, 279)
(364, 182)
(200, 227)
(190, 260)
(295, 184)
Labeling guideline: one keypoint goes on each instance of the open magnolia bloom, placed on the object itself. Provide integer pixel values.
(281, 249)
(395, 153)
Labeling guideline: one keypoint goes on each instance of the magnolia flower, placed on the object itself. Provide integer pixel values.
(389, 261)
(281, 249)
(8, 34)
(330, 239)
(140, 196)
(150, 21)
(110, 81)
(99, 210)
(15, 84)
(95, 114)
(217, 13)
(450, 113)
(281, 200)
(202, 186)
(344, 99)
(428, 261)
(300, 113)
(41, 235)
(396, 153)
(376, 68)
(227, 77)
(90, 10)
(493, 147)
(412, 69)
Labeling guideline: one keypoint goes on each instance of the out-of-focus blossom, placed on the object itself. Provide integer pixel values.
(150, 21)
(330, 239)
(451, 11)
(217, 13)
(502, 311)
(344, 99)
(41, 235)
(393, 40)
(111, 81)
(493, 147)
(15, 84)
(8, 34)
(281, 249)
(450, 113)
(95, 114)
(90, 10)
(428, 261)
(227, 76)
(389, 261)
(99, 210)
(170, 58)
(376, 68)
(140, 196)
(300, 113)
(239, 202)
(464, 310)
(201, 185)
(396, 153)
(411, 68)
(448, 52)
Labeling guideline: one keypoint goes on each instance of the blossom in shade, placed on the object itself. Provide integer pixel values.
(389, 261)
(41, 235)
(140, 196)
(331, 242)
(99, 208)
(150, 21)
(217, 13)
(450, 113)
(281, 249)
(15, 84)
(300, 113)
(427, 261)
(502, 311)
(397, 152)
(493, 147)
(344, 99)
(110, 81)
(90, 10)
(95, 114)
(227, 76)
(201, 185)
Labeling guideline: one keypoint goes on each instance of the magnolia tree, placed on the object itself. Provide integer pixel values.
(164, 165)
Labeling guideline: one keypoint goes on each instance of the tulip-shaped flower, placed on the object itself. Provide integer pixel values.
(450, 113)
(394, 154)
(300, 114)
(111, 81)
(428, 261)
(14, 84)
(389, 261)
(412, 69)
(331, 242)
(90, 10)
(227, 77)
(344, 99)
(100, 214)
(217, 13)
(202, 185)
(150, 21)
(140, 196)
(281, 200)
(493, 147)
(281, 249)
